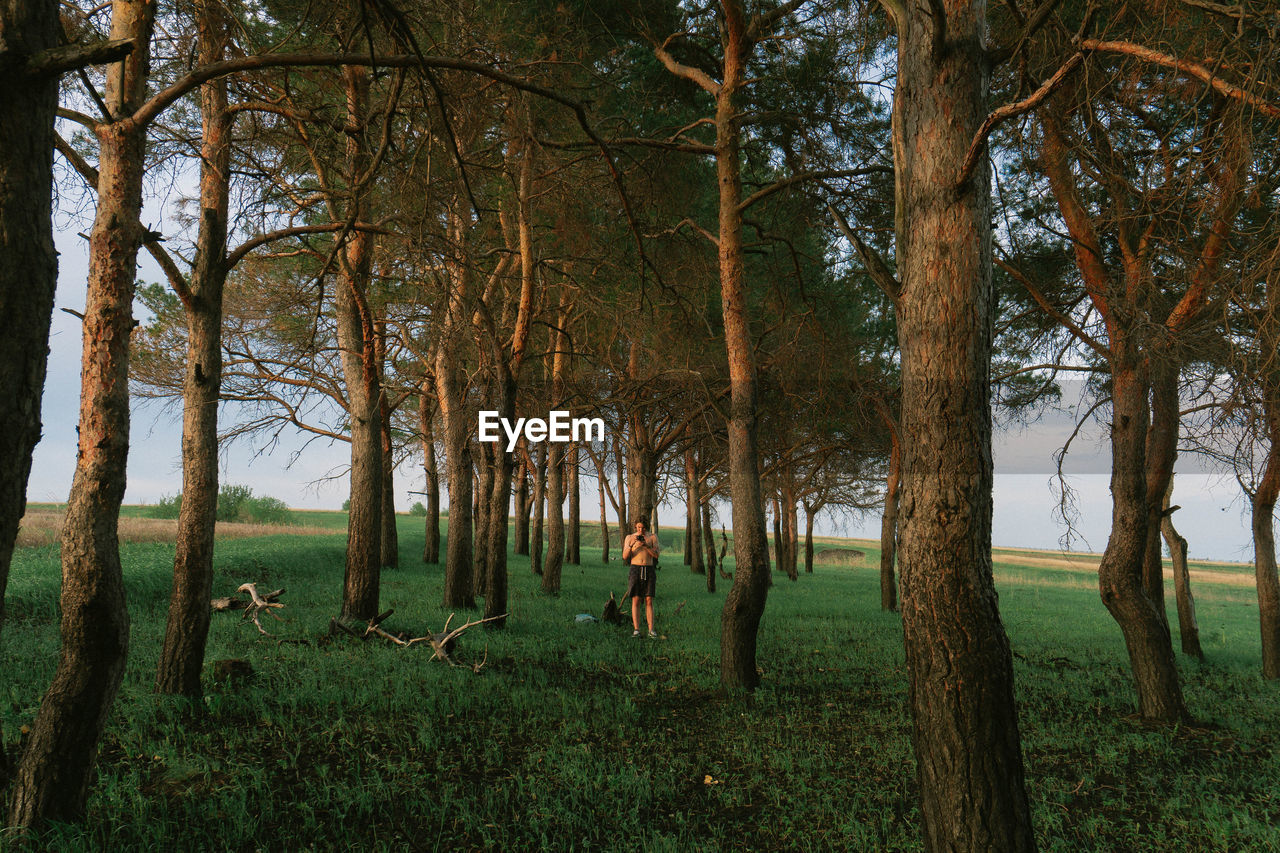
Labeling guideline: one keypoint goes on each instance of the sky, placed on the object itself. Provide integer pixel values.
(1213, 517)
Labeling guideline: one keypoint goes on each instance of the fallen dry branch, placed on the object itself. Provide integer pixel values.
(442, 643)
(260, 604)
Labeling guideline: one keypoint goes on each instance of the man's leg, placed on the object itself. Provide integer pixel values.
(635, 612)
(648, 611)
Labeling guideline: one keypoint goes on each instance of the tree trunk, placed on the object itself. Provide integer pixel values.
(965, 728)
(1162, 452)
(539, 496)
(390, 538)
(889, 522)
(744, 605)
(790, 533)
(52, 778)
(486, 476)
(693, 500)
(1264, 500)
(810, 510)
(642, 478)
(573, 555)
(621, 468)
(29, 272)
(779, 550)
(357, 342)
(709, 537)
(555, 519)
(1121, 573)
(187, 630)
(431, 548)
(1188, 630)
(604, 524)
(495, 602)
(522, 505)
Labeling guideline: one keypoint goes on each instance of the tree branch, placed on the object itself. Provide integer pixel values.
(1069, 324)
(1037, 20)
(69, 57)
(875, 265)
(1008, 111)
(1193, 69)
(686, 72)
(249, 245)
(809, 176)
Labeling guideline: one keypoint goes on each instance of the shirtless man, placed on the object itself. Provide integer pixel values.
(641, 548)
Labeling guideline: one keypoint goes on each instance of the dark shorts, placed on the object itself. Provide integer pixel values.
(642, 581)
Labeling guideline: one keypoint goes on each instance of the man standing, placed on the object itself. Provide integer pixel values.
(641, 552)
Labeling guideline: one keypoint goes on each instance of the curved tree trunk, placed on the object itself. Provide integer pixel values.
(29, 273)
(1188, 630)
(1121, 572)
(52, 778)
(964, 722)
(187, 630)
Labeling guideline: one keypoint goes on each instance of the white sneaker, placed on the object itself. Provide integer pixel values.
(653, 635)
(635, 633)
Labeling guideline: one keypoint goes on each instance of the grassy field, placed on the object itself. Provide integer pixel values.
(576, 736)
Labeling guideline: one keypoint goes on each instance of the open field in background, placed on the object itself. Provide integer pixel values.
(575, 735)
(43, 526)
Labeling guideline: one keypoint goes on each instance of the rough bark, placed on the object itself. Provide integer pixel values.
(1161, 453)
(555, 519)
(29, 273)
(810, 510)
(357, 343)
(1188, 630)
(187, 630)
(744, 605)
(779, 552)
(964, 724)
(431, 547)
(52, 778)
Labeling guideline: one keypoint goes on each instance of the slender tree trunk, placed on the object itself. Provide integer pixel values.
(1121, 573)
(744, 605)
(52, 778)
(187, 629)
(790, 532)
(620, 462)
(539, 496)
(693, 500)
(779, 551)
(486, 477)
(810, 510)
(573, 555)
(29, 272)
(431, 548)
(1188, 630)
(1162, 452)
(604, 524)
(1263, 504)
(523, 506)
(555, 519)
(889, 521)
(710, 539)
(965, 728)
(390, 538)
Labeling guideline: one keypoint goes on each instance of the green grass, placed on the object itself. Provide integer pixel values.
(575, 736)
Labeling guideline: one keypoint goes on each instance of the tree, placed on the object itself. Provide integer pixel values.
(964, 725)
